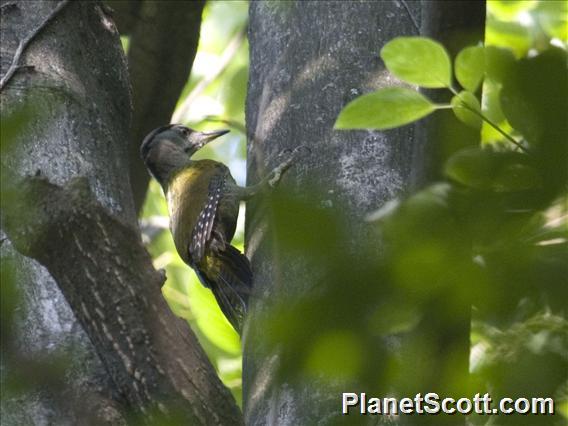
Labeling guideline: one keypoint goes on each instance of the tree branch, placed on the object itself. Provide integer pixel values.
(78, 221)
(163, 42)
(228, 54)
(15, 65)
(106, 275)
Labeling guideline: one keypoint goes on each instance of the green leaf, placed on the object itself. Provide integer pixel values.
(509, 35)
(384, 109)
(491, 109)
(499, 63)
(509, 10)
(418, 60)
(486, 169)
(464, 104)
(534, 99)
(516, 177)
(471, 167)
(210, 320)
(553, 18)
(470, 67)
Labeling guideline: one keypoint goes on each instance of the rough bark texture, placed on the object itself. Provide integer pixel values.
(43, 333)
(307, 61)
(163, 43)
(67, 203)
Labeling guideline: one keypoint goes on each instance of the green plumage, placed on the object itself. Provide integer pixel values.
(187, 193)
(203, 202)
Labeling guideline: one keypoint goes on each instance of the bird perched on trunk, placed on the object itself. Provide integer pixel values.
(203, 203)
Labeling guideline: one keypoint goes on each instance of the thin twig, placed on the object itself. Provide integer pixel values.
(496, 127)
(228, 54)
(411, 16)
(15, 65)
(505, 134)
(492, 124)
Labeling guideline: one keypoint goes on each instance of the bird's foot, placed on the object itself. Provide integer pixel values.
(292, 156)
(162, 274)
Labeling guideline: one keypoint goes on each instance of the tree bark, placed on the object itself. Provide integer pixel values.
(163, 42)
(307, 61)
(67, 203)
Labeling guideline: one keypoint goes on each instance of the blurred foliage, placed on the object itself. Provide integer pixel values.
(216, 90)
(493, 235)
(516, 30)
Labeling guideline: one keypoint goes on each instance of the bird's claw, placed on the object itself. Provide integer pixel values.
(300, 148)
(292, 156)
(163, 276)
(293, 153)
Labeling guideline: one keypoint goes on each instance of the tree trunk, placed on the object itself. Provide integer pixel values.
(67, 203)
(307, 61)
(163, 42)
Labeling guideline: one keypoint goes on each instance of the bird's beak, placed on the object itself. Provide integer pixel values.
(205, 137)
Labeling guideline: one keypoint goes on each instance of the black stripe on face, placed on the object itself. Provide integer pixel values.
(149, 139)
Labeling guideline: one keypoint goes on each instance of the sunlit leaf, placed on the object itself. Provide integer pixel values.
(418, 60)
(553, 18)
(491, 109)
(177, 297)
(466, 107)
(470, 67)
(211, 320)
(508, 10)
(384, 109)
(510, 35)
(125, 41)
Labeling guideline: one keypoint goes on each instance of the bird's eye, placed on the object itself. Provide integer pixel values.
(184, 131)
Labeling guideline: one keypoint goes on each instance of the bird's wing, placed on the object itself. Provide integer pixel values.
(202, 231)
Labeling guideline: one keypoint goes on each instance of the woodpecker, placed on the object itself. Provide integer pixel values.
(203, 203)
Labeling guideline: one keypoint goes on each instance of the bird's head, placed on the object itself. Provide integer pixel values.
(169, 147)
(177, 138)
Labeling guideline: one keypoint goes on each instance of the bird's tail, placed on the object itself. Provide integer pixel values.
(231, 283)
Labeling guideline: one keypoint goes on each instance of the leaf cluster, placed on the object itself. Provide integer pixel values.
(492, 237)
